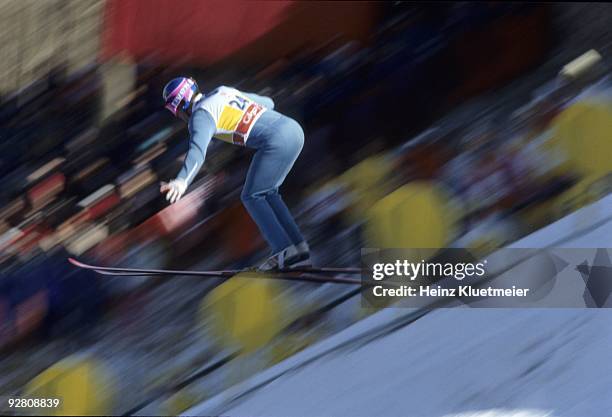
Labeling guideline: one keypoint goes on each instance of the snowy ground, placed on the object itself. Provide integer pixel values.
(452, 362)
(458, 362)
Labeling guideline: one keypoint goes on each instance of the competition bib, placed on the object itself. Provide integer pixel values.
(233, 112)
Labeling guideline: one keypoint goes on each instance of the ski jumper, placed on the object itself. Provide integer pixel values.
(250, 120)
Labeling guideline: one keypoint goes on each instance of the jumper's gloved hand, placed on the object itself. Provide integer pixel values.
(174, 189)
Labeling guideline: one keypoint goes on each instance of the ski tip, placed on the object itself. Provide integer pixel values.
(76, 263)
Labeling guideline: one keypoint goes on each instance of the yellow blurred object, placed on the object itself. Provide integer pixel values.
(247, 312)
(583, 134)
(291, 344)
(538, 215)
(179, 402)
(585, 192)
(83, 385)
(365, 183)
(417, 215)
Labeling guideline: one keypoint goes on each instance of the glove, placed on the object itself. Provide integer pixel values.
(174, 189)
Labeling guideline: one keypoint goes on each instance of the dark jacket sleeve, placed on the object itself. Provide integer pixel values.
(201, 131)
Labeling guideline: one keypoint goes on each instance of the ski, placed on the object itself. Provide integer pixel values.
(295, 275)
(228, 272)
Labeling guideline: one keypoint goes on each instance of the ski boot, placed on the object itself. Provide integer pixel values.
(294, 256)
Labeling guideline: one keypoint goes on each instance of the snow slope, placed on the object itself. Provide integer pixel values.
(451, 362)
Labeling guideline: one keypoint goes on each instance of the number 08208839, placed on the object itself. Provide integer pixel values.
(19, 402)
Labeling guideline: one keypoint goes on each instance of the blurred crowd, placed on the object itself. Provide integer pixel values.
(386, 162)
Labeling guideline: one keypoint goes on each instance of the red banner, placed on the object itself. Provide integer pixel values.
(188, 30)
